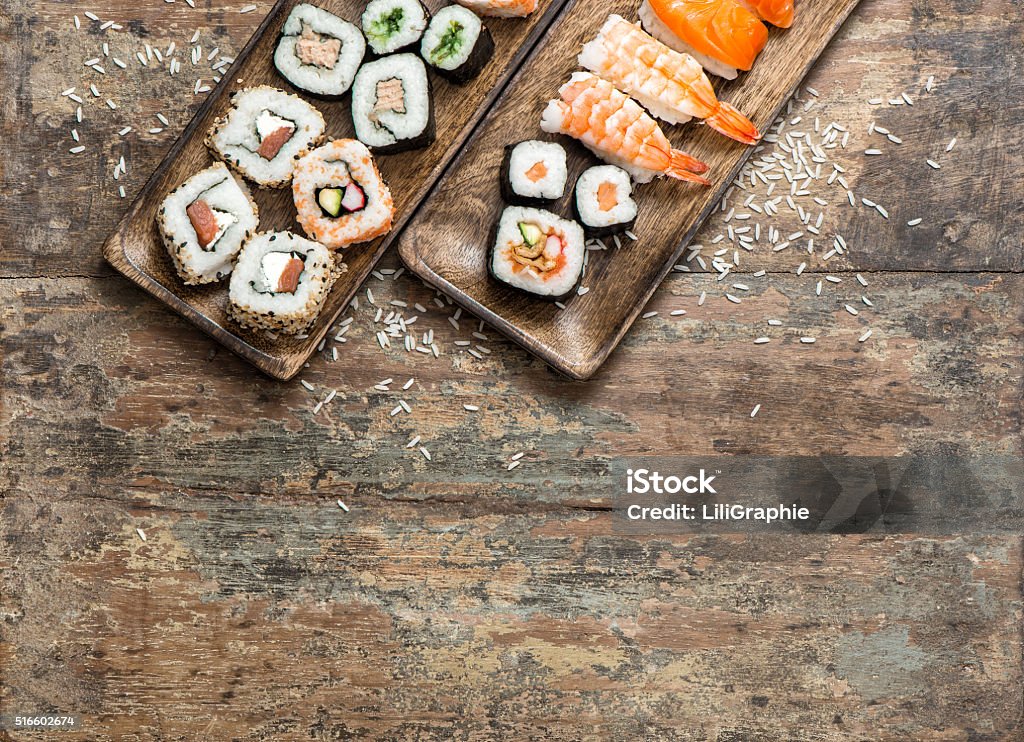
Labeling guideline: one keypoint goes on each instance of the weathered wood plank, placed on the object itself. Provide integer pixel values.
(104, 388)
(284, 618)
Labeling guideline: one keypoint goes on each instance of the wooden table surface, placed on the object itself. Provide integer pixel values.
(458, 599)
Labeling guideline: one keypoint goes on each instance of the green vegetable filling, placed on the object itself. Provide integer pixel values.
(450, 43)
(387, 25)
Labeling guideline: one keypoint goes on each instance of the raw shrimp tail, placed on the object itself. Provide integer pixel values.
(685, 167)
(729, 121)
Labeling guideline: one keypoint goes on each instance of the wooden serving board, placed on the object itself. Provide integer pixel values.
(135, 248)
(446, 243)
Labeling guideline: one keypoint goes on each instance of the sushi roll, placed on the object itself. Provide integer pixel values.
(603, 202)
(319, 52)
(339, 195)
(457, 44)
(537, 252)
(533, 173)
(263, 132)
(392, 107)
(280, 282)
(203, 223)
(392, 26)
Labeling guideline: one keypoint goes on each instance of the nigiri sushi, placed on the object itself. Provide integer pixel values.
(669, 84)
(722, 35)
(500, 8)
(615, 128)
(776, 12)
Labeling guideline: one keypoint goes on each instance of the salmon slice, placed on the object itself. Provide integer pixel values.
(204, 221)
(537, 172)
(270, 146)
(289, 279)
(607, 196)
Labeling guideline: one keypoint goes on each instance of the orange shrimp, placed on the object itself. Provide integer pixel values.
(671, 85)
(720, 34)
(500, 8)
(618, 130)
(776, 12)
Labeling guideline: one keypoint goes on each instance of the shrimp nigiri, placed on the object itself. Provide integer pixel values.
(720, 34)
(671, 85)
(615, 128)
(776, 12)
(500, 8)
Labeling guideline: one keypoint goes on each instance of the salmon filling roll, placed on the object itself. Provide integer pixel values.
(339, 195)
(263, 132)
(280, 282)
(203, 223)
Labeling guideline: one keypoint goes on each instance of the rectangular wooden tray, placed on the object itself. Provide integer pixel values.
(135, 248)
(446, 243)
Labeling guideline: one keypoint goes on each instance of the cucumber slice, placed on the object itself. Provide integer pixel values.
(531, 233)
(330, 200)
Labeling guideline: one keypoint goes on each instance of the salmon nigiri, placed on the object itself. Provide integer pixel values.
(615, 128)
(776, 12)
(669, 84)
(720, 34)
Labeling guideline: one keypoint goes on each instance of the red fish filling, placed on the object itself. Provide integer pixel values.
(204, 222)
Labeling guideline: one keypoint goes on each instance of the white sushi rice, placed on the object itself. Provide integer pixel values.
(587, 206)
(505, 268)
(390, 25)
(657, 28)
(525, 156)
(236, 214)
(331, 80)
(380, 125)
(236, 138)
(254, 303)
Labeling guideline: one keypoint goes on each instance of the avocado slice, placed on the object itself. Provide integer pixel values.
(330, 200)
(531, 233)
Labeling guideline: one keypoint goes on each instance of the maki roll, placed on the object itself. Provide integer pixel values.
(392, 108)
(203, 223)
(537, 252)
(603, 202)
(263, 132)
(394, 25)
(319, 52)
(280, 282)
(533, 173)
(457, 43)
(339, 195)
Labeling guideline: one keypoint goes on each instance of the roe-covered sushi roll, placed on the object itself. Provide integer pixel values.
(604, 203)
(319, 52)
(457, 43)
(203, 223)
(392, 107)
(280, 282)
(394, 26)
(533, 173)
(262, 133)
(339, 194)
(537, 252)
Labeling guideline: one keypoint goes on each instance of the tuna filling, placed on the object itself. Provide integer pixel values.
(317, 50)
